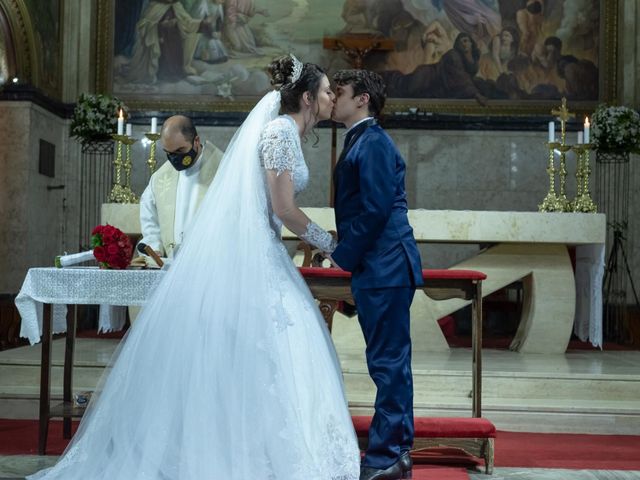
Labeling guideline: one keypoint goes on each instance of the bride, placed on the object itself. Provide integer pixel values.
(229, 371)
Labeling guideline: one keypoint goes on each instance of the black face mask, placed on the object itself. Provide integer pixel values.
(182, 161)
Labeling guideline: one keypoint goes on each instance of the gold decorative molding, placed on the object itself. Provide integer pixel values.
(607, 66)
(21, 27)
(609, 57)
(608, 85)
(104, 45)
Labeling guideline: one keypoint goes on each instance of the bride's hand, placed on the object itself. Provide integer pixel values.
(333, 263)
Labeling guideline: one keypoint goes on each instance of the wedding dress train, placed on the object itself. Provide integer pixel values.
(229, 371)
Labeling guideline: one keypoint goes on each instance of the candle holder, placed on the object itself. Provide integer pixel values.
(116, 192)
(558, 202)
(579, 177)
(583, 201)
(550, 202)
(121, 191)
(151, 161)
(563, 202)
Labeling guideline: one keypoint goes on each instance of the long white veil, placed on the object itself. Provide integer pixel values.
(208, 382)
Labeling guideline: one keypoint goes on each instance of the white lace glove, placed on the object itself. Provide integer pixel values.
(319, 238)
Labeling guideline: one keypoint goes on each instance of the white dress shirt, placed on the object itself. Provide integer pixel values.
(355, 125)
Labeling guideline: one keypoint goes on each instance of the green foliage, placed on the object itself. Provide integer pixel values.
(95, 117)
(616, 129)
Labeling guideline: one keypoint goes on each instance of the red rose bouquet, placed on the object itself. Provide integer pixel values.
(111, 247)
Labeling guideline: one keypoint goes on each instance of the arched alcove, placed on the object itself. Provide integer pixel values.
(18, 40)
(7, 50)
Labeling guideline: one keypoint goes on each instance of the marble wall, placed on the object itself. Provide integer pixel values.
(629, 93)
(458, 170)
(475, 170)
(37, 222)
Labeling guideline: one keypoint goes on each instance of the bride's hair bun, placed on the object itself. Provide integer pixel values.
(281, 70)
(292, 78)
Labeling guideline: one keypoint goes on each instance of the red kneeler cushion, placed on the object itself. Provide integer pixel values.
(428, 273)
(324, 272)
(439, 427)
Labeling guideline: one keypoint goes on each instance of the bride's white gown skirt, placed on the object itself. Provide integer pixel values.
(220, 378)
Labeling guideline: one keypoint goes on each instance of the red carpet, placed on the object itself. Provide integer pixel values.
(20, 437)
(543, 450)
(431, 472)
(590, 452)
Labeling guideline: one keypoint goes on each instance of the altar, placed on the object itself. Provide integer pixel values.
(528, 246)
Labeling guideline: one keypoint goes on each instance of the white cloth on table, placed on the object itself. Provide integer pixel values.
(589, 275)
(80, 286)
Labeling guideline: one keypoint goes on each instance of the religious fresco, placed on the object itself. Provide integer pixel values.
(486, 49)
(45, 18)
(218, 48)
(479, 51)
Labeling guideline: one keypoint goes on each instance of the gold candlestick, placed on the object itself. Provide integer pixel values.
(583, 202)
(563, 202)
(579, 176)
(151, 161)
(127, 194)
(116, 192)
(121, 191)
(558, 202)
(550, 202)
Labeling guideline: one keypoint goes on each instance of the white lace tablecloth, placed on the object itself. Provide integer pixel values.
(80, 286)
(589, 275)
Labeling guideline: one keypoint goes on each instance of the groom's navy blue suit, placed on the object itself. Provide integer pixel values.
(376, 244)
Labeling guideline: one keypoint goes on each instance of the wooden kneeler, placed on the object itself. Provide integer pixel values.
(474, 436)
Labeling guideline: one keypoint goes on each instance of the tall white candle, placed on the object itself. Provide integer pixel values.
(121, 123)
(552, 132)
(587, 126)
(580, 138)
(154, 125)
(129, 130)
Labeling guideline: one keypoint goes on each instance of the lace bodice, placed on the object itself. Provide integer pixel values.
(280, 150)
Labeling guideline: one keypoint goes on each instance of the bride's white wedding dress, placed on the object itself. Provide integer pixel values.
(229, 371)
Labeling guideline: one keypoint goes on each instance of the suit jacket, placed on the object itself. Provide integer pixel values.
(375, 240)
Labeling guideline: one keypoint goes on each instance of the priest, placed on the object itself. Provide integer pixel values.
(171, 200)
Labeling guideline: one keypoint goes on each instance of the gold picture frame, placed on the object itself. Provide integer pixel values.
(146, 96)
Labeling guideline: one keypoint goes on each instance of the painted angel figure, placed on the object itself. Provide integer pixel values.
(210, 48)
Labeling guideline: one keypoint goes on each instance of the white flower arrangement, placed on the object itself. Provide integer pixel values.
(616, 129)
(95, 117)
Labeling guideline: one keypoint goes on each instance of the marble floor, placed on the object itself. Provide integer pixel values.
(588, 391)
(579, 390)
(17, 467)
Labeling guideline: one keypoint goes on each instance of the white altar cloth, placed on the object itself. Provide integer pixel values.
(80, 286)
(560, 302)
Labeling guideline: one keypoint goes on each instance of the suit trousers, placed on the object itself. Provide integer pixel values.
(383, 314)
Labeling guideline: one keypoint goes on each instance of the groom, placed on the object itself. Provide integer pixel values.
(376, 244)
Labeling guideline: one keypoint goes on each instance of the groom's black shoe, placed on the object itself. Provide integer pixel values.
(398, 471)
(407, 465)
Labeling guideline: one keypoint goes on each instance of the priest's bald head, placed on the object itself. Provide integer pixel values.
(180, 141)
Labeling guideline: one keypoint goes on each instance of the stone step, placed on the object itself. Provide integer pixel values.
(594, 392)
(516, 386)
(592, 417)
(430, 386)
